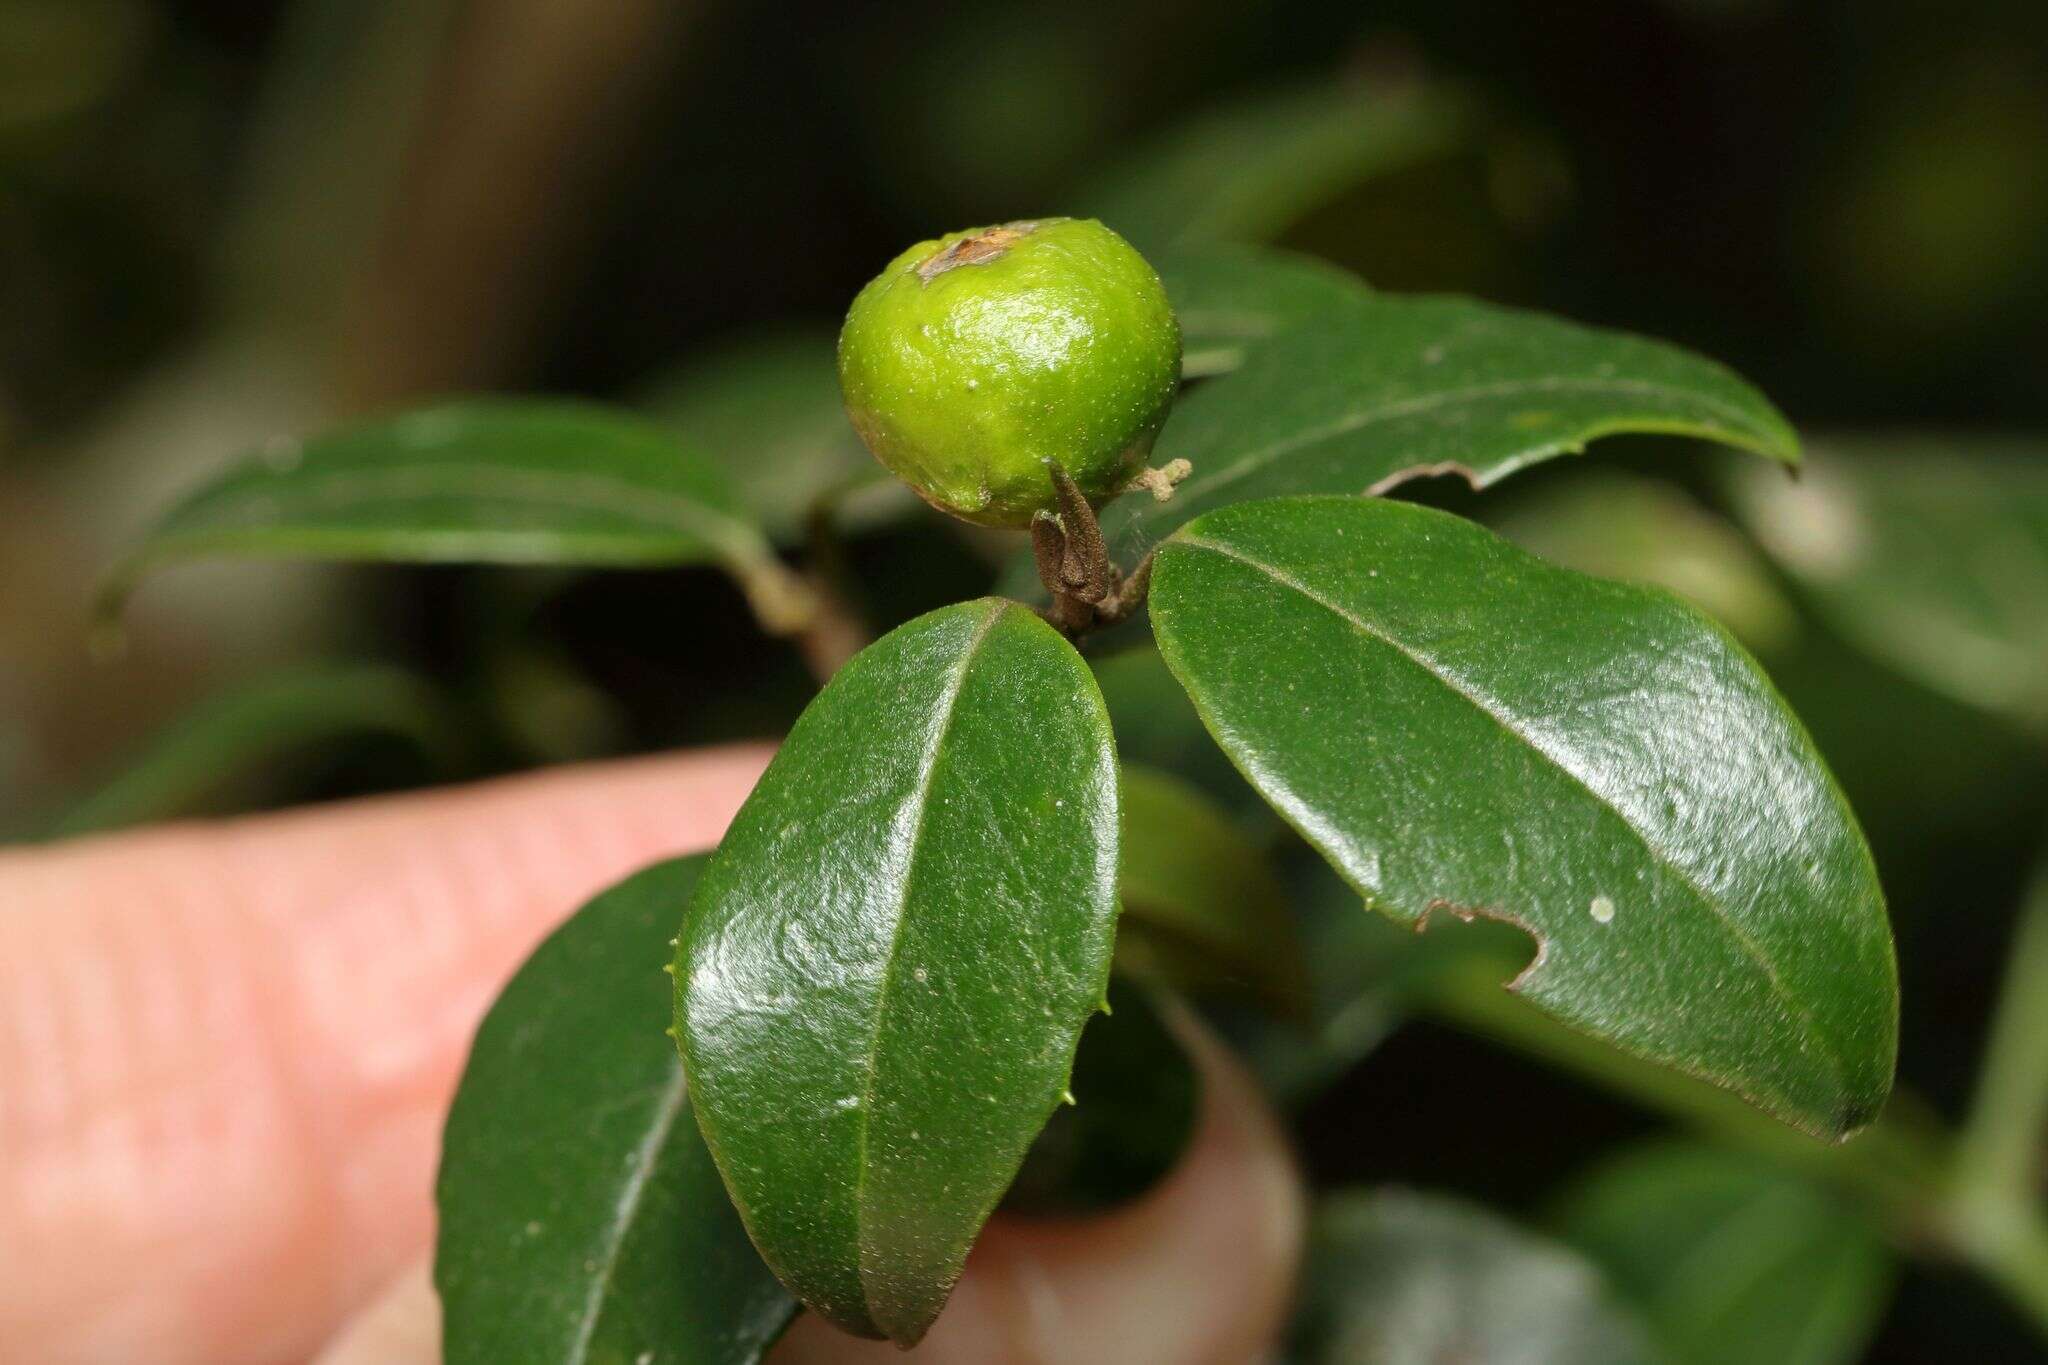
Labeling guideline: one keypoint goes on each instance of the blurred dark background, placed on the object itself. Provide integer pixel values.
(222, 222)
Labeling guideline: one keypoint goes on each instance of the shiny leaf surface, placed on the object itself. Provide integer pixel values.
(507, 481)
(1392, 387)
(889, 962)
(1400, 1278)
(1458, 726)
(581, 1218)
(1730, 1258)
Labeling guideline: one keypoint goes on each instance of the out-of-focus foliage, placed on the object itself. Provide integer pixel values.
(1619, 526)
(1930, 552)
(1247, 171)
(224, 743)
(1730, 1259)
(1402, 1278)
(211, 217)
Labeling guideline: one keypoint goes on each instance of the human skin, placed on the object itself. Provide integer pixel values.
(226, 1051)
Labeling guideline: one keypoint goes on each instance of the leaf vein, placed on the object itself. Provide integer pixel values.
(1741, 937)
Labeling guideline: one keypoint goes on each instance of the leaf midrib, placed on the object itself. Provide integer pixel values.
(1750, 947)
(640, 1171)
(941, 726)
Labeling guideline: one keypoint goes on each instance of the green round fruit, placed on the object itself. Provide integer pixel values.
(975, 359)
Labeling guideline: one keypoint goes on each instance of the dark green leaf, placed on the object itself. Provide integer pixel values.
(1458, 726)
(1930, 553)
(1202, 907)
(890, 960)
(1400, 1278)
(1231, 298)
(1135, 1100)
(507, 481)
(582, 1220)
(1246, 171)
(228, 737)
(1731, 1259)
(768, 412)
(1387, 388)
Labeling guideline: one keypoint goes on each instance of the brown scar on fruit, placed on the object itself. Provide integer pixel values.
(1466, 914)
(985, 246)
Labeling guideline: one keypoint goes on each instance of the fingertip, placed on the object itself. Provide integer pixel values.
(402, 1326)
(1200, 1270)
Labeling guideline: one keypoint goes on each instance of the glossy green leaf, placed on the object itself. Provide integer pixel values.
(767, 411)
(581, 1218)
(494, 480)
(1136, 1096)
(1248, 170)
(1388, 388)
(1643, 531)
(1730, 1258)
(889, 962)
(1400, 1278)
(1458, 726)
(247, 729)
(1202, 907)
(1930, 553)
(1231, 298)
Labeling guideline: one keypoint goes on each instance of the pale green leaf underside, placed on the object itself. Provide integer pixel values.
(1459, 727)
(888, 965)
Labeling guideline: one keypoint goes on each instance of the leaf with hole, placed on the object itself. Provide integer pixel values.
(888, 964)
(1730, 1258)
(489, 480)
(1459, 727)
(581, 1218)
(1398, 1276)
(1392, 387)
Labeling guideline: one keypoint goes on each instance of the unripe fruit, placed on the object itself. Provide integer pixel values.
(976, 358)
